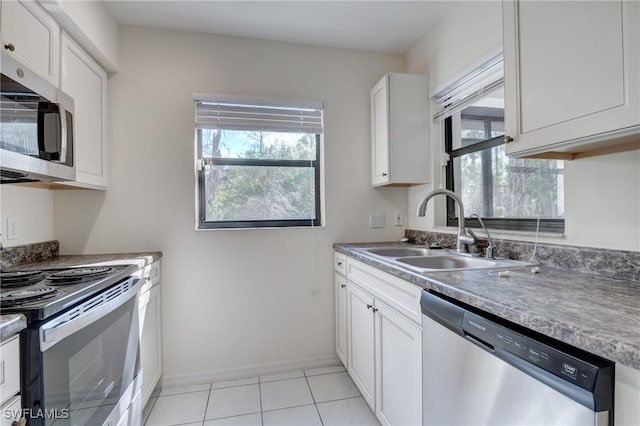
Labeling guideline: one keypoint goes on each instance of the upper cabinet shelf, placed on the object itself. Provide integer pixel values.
(400, 130)
(572, 77)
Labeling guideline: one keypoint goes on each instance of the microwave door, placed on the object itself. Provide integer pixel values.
(19, 118)
(49, 131)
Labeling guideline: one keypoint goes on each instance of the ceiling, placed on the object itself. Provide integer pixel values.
(379, 26)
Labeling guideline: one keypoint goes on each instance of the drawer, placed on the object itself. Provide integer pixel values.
(340, 263)
(10, 412)
(399, 294)
(9, 368)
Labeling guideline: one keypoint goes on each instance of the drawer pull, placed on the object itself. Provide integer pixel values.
(10, 47)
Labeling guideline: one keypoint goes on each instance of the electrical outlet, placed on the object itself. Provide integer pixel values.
(397, 219)
(376, 220)
(12, 228)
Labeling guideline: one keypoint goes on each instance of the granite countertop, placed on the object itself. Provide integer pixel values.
(70, 261)
(597, 314)
(11, 324)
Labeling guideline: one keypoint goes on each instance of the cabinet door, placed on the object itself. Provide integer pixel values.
(9, 368)
(11, 412)
(361, 341)
(86, 82)
(380, 132)
(398, 355)
(571, 72)
(341, 317)
(150, 341)
(30, 34)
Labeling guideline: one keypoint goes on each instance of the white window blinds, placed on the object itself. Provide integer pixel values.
(274, 115)
(470, 87)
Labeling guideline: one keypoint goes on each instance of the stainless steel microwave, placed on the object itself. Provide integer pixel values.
(36, 127)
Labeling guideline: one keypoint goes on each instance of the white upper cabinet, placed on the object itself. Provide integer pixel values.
(572, 77)
(86, 82)
(400, 130)
(32, 36)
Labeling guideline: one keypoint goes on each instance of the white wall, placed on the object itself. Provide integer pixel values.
(33, 210)
(231, 299)
(602, 200)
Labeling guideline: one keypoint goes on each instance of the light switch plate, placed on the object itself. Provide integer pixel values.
(397, 219)
(376, 220)
(12, 228)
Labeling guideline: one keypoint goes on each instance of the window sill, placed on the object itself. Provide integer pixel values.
(261, 228)
(500, 232)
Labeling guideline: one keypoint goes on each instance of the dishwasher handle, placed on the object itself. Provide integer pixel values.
(443, 312)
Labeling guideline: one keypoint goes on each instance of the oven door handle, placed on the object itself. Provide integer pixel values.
(87, 312)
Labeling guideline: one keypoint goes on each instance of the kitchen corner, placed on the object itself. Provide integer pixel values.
(106, 306)
(583, 309)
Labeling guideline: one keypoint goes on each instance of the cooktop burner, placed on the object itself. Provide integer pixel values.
(47, 292)
(78, 275)
(20, 278)
(27, 295)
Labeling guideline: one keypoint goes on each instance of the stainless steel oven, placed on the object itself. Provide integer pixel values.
(83, 365)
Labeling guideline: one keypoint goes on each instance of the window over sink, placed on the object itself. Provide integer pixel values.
(508, 193)
(257, 162)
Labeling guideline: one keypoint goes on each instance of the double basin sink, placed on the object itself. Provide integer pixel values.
(431, 260)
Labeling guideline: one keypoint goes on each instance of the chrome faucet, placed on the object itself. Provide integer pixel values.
(464, 238)
(489, 249)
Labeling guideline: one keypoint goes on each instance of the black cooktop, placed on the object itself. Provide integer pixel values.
(40, 294)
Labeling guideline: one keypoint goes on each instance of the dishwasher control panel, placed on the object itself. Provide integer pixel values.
(501, 339)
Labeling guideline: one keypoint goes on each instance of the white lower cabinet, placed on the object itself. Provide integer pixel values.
(341, 317)
(361, 332)
(398, 353)
(384, 337)
(150, 330)
(10, 381)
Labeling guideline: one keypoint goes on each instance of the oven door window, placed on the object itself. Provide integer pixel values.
(86, 373)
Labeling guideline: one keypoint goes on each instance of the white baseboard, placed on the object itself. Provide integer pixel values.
(217, 375)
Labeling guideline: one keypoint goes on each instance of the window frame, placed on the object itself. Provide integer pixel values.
(203, 224)
(548, 225)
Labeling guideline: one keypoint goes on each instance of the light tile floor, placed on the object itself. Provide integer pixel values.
(322, 396)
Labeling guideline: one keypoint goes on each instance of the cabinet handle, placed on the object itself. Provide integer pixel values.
(384, 174)
(508, 139)
(375, 310)
(343, 285)
(10, 47)
(339, 263)
(369, 306)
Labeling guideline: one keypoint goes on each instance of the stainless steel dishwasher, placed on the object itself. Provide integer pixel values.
(480, 370)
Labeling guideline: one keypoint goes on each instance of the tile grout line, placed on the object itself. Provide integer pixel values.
(206, 407)
(260, 394)
(313, 398)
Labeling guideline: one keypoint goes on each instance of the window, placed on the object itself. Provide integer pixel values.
(508, 193)
(258, 163)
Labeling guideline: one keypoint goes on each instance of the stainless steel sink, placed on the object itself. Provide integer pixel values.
(450, 261)
(425, 260)
(400, 251)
